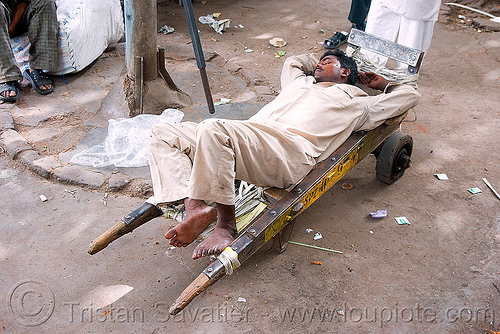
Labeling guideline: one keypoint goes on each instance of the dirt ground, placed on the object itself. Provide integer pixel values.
(440, 274)
(245, 44)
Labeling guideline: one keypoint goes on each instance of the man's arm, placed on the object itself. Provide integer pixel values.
(372, 80)
(296, 67)
(17, 15)
(395, 100)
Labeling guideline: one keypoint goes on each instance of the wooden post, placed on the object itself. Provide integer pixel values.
(140, 31)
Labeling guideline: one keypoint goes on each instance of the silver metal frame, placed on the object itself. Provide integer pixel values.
(411, 57)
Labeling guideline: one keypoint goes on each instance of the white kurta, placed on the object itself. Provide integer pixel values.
(406, 22)
(276, 147)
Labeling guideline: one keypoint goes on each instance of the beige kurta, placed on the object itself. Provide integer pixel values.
(276, 147)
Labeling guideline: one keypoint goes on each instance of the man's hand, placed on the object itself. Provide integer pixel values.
(372, 80)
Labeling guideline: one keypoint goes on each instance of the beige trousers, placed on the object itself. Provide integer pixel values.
(201, 161)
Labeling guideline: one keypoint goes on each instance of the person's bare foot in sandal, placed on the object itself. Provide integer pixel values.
(41, 84)
(9, 91)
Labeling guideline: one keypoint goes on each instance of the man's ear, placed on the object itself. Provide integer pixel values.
(345, 72)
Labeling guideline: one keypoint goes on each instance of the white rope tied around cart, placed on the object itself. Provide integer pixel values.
(229, 259)
(395, 75)
(247, 198)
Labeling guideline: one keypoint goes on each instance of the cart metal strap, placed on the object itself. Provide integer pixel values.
(412, 57)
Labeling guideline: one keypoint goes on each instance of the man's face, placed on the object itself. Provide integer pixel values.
(328, 70)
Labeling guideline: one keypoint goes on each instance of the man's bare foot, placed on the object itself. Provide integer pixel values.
(218, 240)
(222, 236)
(198, 216)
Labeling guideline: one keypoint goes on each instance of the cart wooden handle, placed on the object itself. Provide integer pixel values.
(130, 222)
(200, 284)
(107, 237)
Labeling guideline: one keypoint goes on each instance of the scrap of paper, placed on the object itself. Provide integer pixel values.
(402, 220)
(379, 214)
(475, 190)
(442, 176)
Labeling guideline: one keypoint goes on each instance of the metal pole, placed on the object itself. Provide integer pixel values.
(198, 52)
(139, 83)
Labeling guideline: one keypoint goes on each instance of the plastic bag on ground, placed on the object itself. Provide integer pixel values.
(126, 142)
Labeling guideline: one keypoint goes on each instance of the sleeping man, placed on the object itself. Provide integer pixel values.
(318, 108)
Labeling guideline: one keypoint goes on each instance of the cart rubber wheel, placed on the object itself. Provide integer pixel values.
(394, 157)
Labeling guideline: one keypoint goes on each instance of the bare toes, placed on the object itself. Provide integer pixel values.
(213, 250)
(170, 234)
(196, 254)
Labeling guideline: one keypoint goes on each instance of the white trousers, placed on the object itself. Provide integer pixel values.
(383, 22)
(201, 161)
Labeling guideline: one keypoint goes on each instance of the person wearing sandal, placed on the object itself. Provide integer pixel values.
(38, 18)
(357, 16)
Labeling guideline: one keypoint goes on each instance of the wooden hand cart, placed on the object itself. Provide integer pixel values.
(391, 147)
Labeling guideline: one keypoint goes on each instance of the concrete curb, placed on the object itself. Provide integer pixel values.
(49, 167)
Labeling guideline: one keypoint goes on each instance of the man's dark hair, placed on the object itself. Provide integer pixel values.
(345, 62)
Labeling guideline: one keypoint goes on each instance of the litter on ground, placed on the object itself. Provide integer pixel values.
(402, 221)
(442, 176)
(379, 214)
(475, 190)
(317, 236)
(279, 54)
(222, 101)
(218, 26)
(347, 186)
(277, 42)
(166, 29)
(315, 247)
